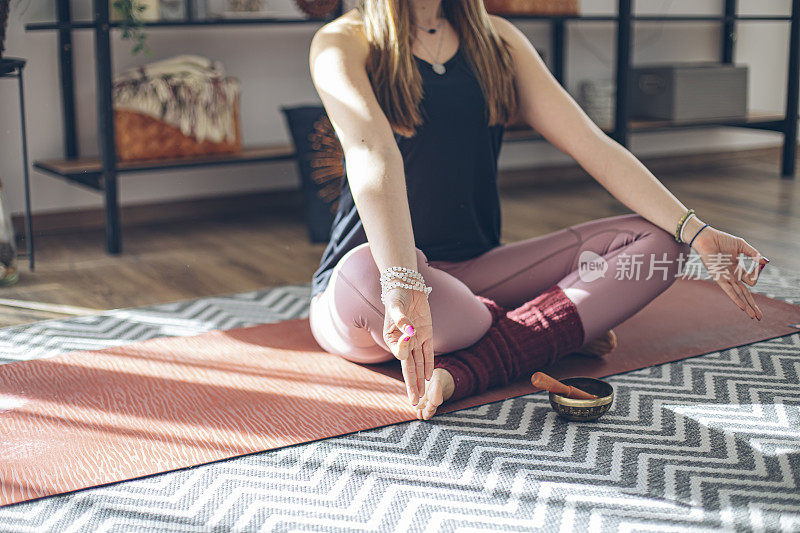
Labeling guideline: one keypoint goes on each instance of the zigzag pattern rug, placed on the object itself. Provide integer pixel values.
(710, 443)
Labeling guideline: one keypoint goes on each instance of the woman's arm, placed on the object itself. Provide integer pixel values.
(374, 164)
(548, 108)
(375, 171)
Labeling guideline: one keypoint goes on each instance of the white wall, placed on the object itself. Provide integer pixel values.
(272, 62)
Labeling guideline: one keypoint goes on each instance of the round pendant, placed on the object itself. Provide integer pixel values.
(438, 68)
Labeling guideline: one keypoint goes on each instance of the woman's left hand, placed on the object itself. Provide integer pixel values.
(720, 252)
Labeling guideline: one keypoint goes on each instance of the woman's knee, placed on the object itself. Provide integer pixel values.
(334, 335)
(356, 290)
(459, 319)
(358, 264)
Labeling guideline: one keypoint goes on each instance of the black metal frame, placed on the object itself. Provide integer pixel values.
(622, 72)
(12, 68)
(105, 125)
(792, 92)
(106, 180)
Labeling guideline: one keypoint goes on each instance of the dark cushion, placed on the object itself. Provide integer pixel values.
(320, 162)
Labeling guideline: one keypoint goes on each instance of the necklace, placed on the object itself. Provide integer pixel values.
(430, 30)
(438, 67)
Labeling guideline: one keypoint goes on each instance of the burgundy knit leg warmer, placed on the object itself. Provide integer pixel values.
(518, 342)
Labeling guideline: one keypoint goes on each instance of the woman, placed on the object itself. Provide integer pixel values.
(418, 92)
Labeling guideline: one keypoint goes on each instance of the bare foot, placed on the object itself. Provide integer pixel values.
(600, 346)
(437, 391)
(441, 385)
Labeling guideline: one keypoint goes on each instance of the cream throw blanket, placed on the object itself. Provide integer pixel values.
(186, 91)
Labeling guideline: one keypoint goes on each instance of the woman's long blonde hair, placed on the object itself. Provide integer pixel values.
(394, 76)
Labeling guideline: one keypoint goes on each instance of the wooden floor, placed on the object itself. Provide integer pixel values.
(188, 260)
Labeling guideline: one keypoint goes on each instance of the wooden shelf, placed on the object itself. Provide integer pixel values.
(710, 18)
(760, 119)
(87, 25)
(754, 118)
(88, 170)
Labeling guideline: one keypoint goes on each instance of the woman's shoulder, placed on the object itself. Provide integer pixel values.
(349, 23)
(345, 31)
(501, 25)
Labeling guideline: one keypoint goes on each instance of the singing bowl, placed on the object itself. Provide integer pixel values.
(584, 410)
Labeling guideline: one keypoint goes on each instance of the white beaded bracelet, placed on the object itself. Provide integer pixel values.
(395, 284)
(404, 277)
(684, 225)
(401, 269)
(400, 272)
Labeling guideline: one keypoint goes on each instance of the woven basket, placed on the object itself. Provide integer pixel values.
(532, 7)
(141, 136)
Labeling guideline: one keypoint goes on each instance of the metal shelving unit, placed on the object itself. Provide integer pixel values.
(101, 174)
(12, 68)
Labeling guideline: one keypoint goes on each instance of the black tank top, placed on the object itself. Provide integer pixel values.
(451, 175)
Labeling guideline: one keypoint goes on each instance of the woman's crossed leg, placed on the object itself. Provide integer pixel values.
(610, 268)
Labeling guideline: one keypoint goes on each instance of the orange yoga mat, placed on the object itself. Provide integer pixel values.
(89, 418)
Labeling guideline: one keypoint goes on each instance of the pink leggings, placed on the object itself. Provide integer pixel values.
(347, 317)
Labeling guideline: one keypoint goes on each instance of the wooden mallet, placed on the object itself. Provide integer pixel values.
(541, 380)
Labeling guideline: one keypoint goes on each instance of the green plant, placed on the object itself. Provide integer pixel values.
(132, 25)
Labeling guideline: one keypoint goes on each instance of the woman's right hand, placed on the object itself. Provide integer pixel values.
(412, 346)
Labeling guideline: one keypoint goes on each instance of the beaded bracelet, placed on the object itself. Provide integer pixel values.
(394, 284)
(408, 278)
(681, 222)
(406, 270)
(403, 273)
(684, 225)
(411, 281)
(411, 278)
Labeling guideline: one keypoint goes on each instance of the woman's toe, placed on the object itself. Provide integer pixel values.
(434, 396)
(429, 411)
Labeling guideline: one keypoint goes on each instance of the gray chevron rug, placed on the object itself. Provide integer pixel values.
(705, 444)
